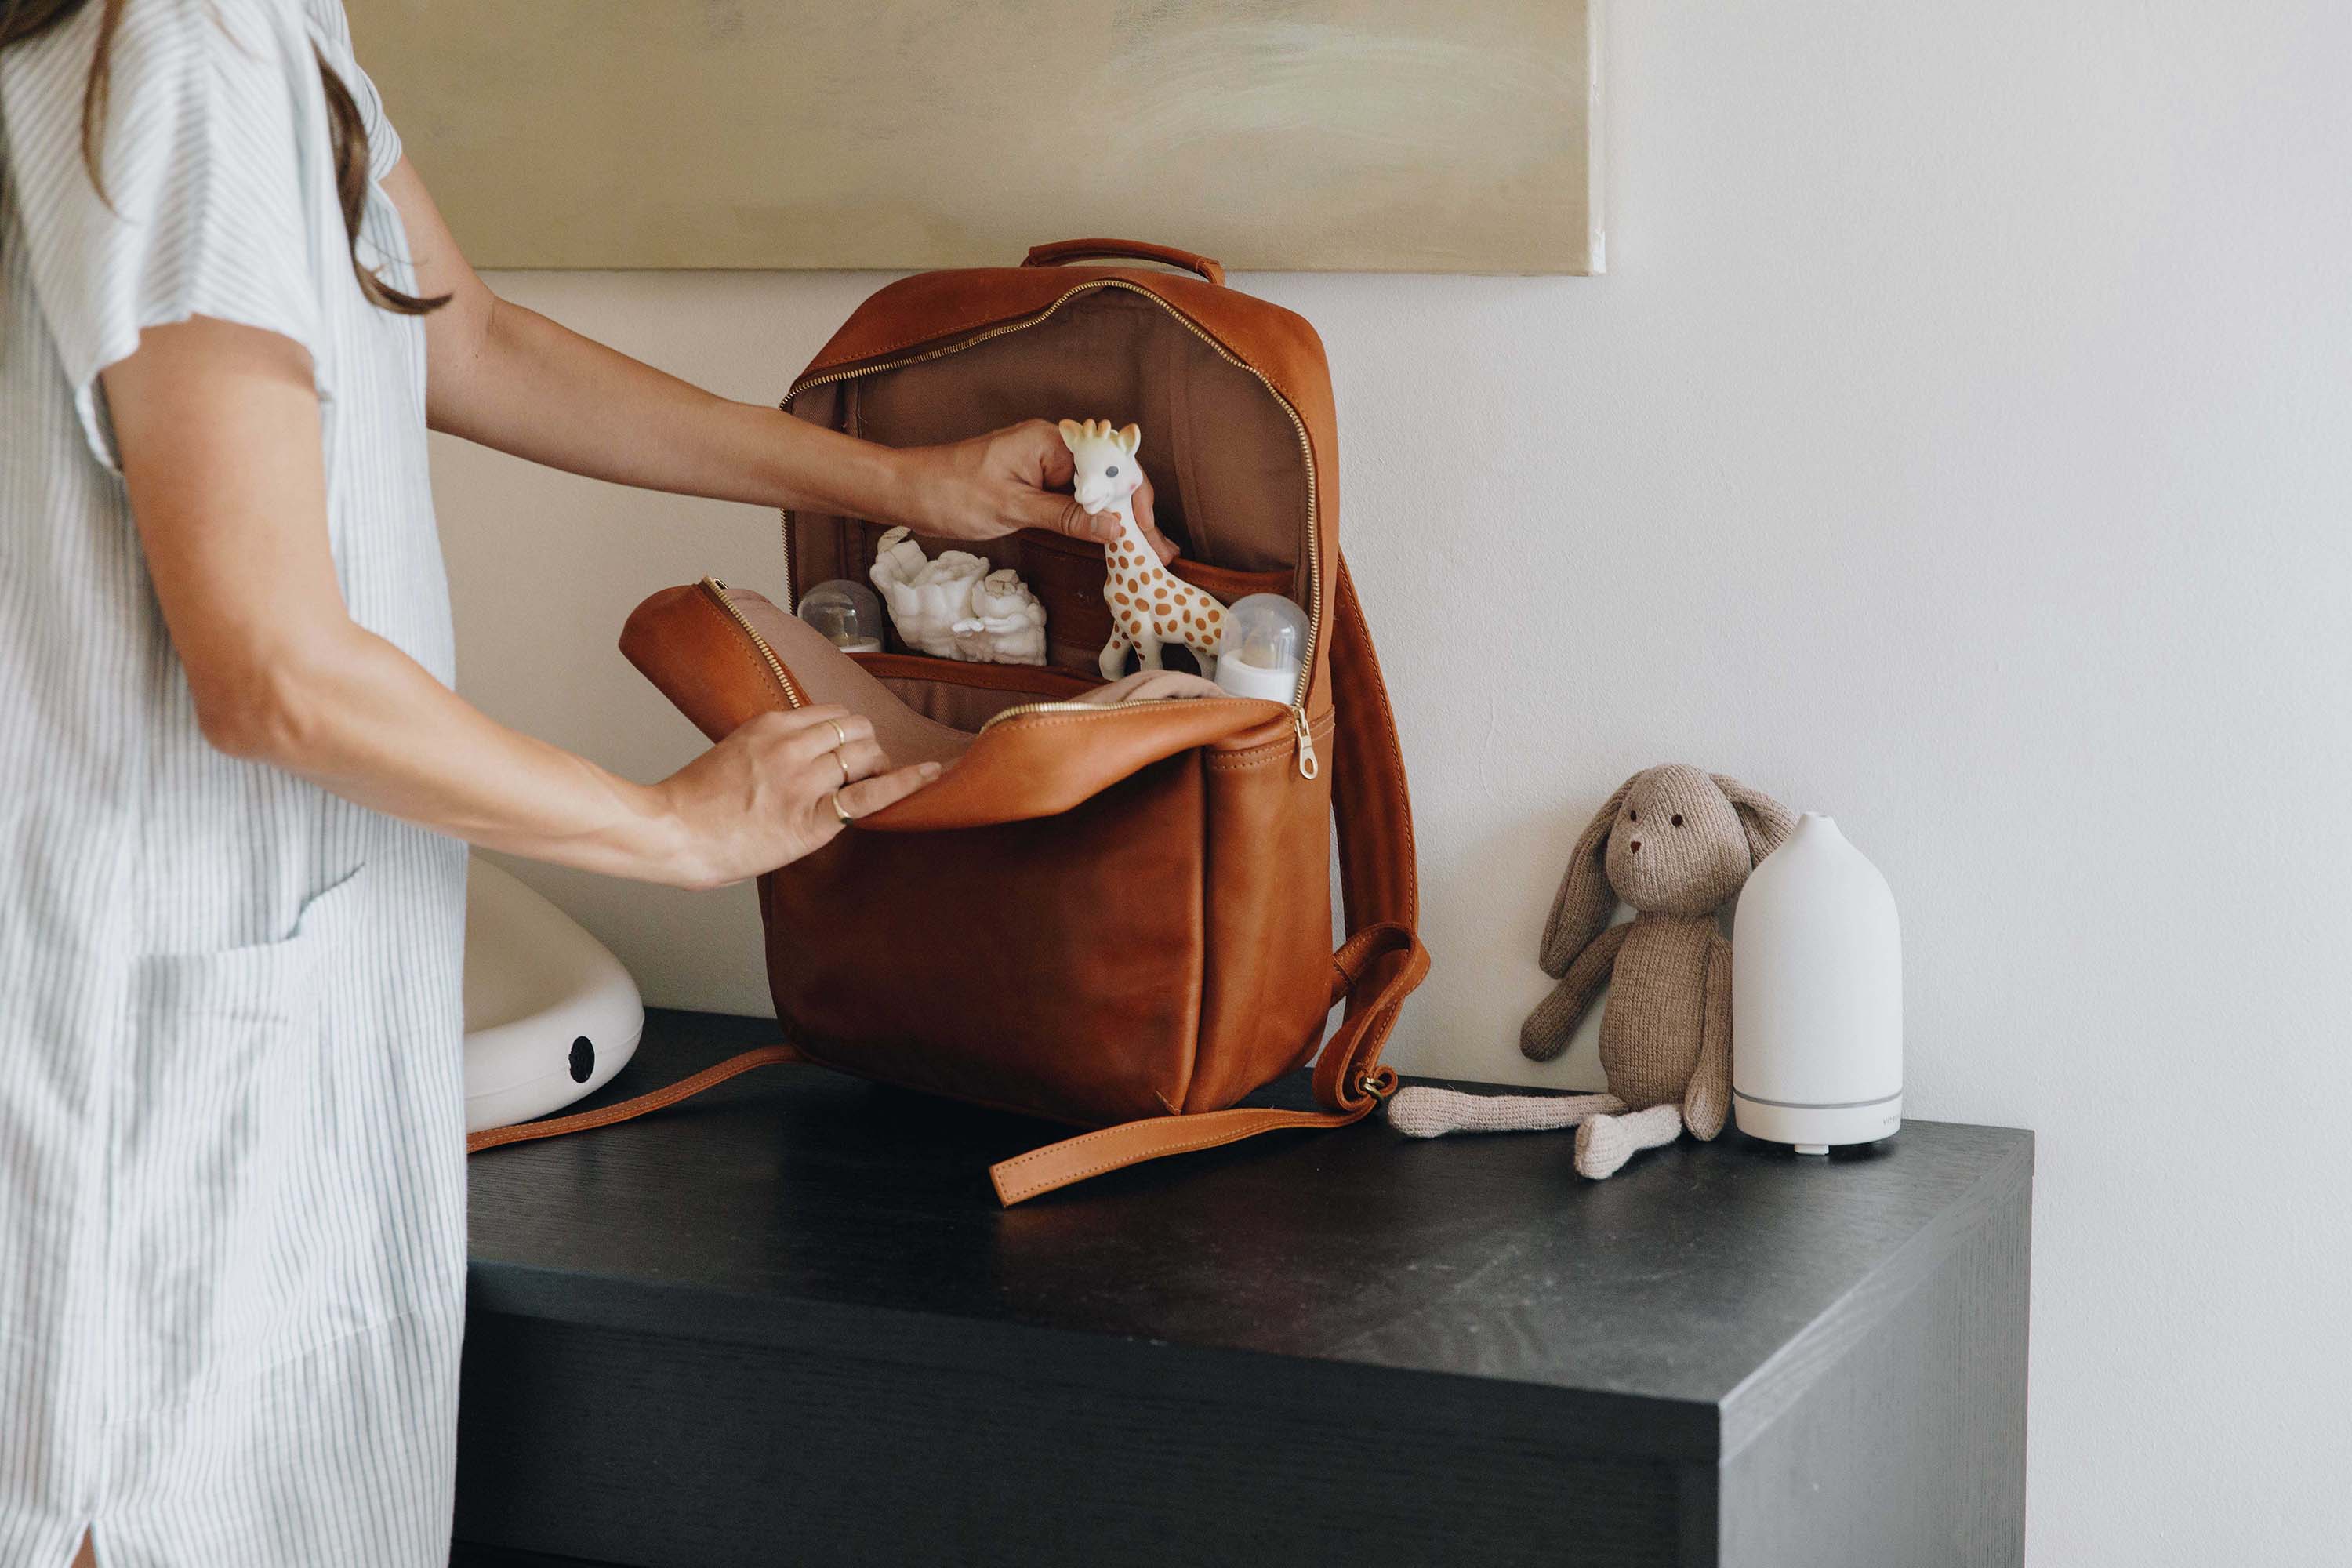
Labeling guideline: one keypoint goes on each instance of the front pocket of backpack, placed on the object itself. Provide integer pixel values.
(1050, 965)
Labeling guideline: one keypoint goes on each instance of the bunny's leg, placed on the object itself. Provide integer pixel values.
(1708, 1098)
(1420, 1110)
(1606, 1142)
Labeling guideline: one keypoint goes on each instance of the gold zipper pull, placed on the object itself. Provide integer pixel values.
(1309, 764)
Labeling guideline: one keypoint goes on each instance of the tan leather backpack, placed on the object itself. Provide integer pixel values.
(1116, 918)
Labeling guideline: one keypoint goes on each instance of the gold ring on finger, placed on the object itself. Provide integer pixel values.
(845, 768)
(840, 735)
(838, 810)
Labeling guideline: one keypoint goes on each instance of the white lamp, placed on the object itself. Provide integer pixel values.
(549, 1014)
(1817, 996)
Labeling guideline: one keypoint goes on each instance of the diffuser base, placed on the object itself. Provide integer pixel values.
(1817, 1127)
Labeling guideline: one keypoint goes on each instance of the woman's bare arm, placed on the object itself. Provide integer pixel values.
(510, 378)
(219, 432)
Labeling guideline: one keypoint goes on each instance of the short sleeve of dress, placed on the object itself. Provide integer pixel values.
(213, 141)
(331, 29)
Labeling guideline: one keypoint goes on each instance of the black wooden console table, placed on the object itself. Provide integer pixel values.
(787, 1323)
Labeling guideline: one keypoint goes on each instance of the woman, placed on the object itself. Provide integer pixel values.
(233, 780)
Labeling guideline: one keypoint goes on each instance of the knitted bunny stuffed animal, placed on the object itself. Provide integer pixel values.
(1675, 843)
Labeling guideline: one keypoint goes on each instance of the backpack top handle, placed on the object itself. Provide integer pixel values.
(1056, 252)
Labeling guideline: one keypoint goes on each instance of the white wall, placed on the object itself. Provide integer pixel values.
(1959, 445)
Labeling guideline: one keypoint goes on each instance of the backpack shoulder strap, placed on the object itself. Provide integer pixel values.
(1380, 885)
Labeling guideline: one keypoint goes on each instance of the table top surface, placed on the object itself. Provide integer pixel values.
(794, 1200)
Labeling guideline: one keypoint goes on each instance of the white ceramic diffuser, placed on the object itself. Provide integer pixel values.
(1817, 996)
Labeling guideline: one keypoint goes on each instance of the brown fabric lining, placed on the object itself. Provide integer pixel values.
(965, 708)
(1029, 680)
(967, 696)
(1105, 355)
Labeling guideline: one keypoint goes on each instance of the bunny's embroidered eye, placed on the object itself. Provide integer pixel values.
(1111, 472)
(1633, 816)
(1678, 819)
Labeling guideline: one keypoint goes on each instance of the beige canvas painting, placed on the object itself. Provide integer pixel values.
(1305, 134)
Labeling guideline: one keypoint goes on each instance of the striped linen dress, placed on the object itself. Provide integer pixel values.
(232, 1183)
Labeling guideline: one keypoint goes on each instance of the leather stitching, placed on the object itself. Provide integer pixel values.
(1256, 757)
(939, 335)
(750, 654)
(933, 336)
(1272, 751)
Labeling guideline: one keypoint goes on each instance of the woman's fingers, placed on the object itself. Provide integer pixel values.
(991, 485)
(1044, 452)
(819, 719)
(791, 721)
(1058, 514)
(1150, 526)
(764, 796)
(862, 760)
(868, 796)
(828, 745)
(836, 732)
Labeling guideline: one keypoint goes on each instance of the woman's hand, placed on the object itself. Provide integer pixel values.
(1011, 480)
(513, 380)
(763, 797)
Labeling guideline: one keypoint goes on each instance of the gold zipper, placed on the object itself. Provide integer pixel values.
(1309, 764)
(718, 591)
(1021, 709)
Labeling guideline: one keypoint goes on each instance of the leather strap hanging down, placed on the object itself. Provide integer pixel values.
(623, 1110)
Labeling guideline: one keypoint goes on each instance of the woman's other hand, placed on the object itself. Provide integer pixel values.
(1010, 480)
(764, 796)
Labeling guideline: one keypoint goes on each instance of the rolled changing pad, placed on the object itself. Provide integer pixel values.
(724, 655)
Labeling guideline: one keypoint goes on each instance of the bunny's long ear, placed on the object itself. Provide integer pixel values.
(1765, 820)
(1585, 900)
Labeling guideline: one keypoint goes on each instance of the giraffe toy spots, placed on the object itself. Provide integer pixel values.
(1149, 605)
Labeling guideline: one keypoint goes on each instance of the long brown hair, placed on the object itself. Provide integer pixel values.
(22, 20)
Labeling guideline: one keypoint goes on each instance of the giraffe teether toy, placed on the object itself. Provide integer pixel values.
(1148, 603)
